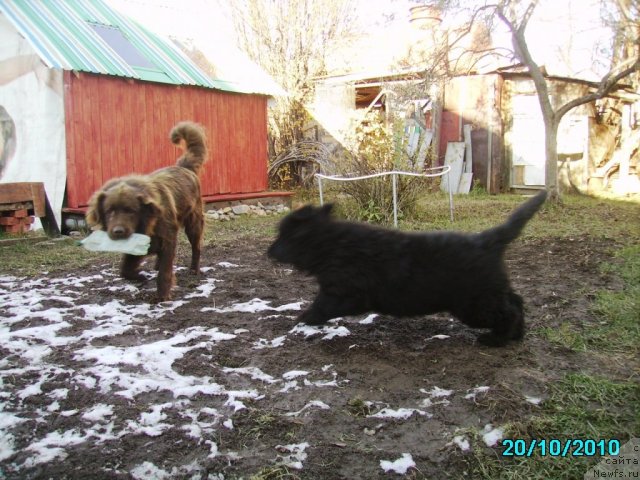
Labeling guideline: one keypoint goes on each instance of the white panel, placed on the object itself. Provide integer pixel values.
(32, 117)
(454, 158)
(527, 138)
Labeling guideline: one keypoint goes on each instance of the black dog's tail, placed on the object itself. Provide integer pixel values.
(191, 137)
(504, 234)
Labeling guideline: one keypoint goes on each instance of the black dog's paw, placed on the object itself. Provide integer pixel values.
(310, 318)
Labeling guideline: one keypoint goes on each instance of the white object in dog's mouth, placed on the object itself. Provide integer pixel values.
(99, 241)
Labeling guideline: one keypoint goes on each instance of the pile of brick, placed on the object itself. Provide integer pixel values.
(15, 218)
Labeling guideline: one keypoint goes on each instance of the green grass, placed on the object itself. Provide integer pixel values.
(580, 407)
(47, 256)
(240, 229)
(585, 405)
(617, 331)
(574, 216)
(29, 258)
(278, 472)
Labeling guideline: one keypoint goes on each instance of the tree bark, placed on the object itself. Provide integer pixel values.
(551, 158)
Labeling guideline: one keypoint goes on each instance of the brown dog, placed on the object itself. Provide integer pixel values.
(157, 205)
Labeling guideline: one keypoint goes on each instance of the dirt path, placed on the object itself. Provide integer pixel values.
(98, 383)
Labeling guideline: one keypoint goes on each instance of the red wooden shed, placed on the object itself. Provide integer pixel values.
(117, 126)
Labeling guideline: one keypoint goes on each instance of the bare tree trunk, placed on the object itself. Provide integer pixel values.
(551, 158)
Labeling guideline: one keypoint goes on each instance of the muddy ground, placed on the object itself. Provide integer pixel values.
(98, 382)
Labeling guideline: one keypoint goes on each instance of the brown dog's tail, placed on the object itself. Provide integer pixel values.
(504, 234)
(191, 138)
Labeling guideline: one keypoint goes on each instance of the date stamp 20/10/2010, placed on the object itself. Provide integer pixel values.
(570, 447)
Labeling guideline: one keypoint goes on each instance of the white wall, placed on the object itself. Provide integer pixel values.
(32, 113)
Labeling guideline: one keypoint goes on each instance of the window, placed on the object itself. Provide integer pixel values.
(122, 46)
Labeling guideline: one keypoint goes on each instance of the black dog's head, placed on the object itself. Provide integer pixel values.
(298, 233)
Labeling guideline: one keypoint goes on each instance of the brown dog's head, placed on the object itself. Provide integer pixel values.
(124, 206)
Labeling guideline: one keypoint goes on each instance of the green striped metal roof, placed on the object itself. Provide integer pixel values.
(90, 36)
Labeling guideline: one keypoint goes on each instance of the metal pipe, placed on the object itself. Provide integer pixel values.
(395, 200)
(450, 197)
(439, 171)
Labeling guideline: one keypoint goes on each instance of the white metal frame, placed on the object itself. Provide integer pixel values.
(444, 170)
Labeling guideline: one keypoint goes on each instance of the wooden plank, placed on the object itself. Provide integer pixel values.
(411, 138)
(24, 192)
(465, 183)
(468, 152)
(34, 193)
(449, 130)
(223, 138)
(69, 116)
(455, 159)
(467, 176)
(427, 138)
(260, 153)
(125, 135)
(90, 168)
(7, 207)
(138, 133)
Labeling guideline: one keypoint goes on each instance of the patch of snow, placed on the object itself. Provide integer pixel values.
(440, 337)
(253, 306)
(98, 413)
(204, 290)
(148, 471)
(155, 365)
(399, 414)
(296, 457)
(332, 332)
(437, 392)
(52, 447)
(329, 331)
(227, 265)
(533, 400)
(475, 391)
(294, 374)
(461, 442)
(306, 330)
(312, 404)
(369, 319)
(7, 421)
(264, 343)
(401, 465)
(254, 372)
(290, 385)
(491, 436)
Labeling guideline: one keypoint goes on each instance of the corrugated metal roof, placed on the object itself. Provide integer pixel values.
(90, 36)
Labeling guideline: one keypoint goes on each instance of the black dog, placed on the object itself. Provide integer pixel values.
(363, 269)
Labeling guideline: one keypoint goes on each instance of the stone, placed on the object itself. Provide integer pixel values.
(240, 209)
(237, 210)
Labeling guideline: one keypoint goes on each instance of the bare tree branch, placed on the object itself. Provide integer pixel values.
(527, 16)
(609, 81)
(522, 52)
